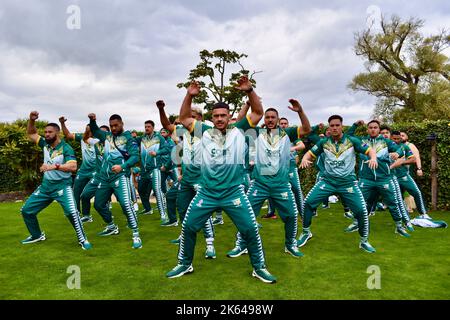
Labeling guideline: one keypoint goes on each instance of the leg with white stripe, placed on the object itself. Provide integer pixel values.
(318, 194)
(199, 211)
(256, 194)
(294, 180)
(237, 206)
(37, 202)
(284, 200)
(355, 200)
(157, 189)
(411, 187)
(399, 201)
(122, 193)
(66, 199)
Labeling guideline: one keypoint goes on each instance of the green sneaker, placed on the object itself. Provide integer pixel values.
(86, 245)
(210, 252)
(293, 250)
(30, 239)
(236, 252)
(137, 242)
(264, 275)
(109, 230)
(303, 239)
(401, 231)
(175, 241)
(86, 219)
(217, 221)
(145, 212)
(367, 247)
(349, 215)
(409, 226)
(352, 227)
(169, 224)
(179, 270)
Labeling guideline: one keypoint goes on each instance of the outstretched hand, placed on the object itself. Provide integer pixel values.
(92, 116)
(62, 119)
(305, 163)
(295, 106)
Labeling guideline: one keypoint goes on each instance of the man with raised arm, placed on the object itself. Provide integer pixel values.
(59, 164)
(338, 177)
(222, 159)
(190, 175)
(271, 174)
(87, 168)
(120, 154)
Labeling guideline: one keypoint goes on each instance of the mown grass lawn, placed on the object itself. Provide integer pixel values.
(333, 266)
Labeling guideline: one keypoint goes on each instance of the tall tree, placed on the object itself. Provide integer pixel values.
(404, 69)
(212, 74)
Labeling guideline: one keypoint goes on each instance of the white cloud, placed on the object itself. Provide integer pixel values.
(130, 54)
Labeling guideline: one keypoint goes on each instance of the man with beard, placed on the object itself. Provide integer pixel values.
(152, 147)
(271, 174)
(59, 164)
(222, 159)
(189, 145)
(120, 154)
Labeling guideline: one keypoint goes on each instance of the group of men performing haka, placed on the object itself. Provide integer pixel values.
(233, 166)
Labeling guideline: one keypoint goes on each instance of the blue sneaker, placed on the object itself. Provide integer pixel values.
(401, 231)
(349, 215)
(169, 224)
(210, 252)
(175, 241)
(179, 271)
(145, 212)
(109, 230)
(30, 239)
(293, 251)
(352, 227)
(409, 226)
(86, 245)
(304, 238)
(137, 242)
(367, 247)
(86, 219)
(264, 275)
(236, 252)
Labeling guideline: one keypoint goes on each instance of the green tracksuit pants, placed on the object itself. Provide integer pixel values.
(121, 189)
(408, 184)
(186, 193)
(283, 199)
(371, 191)
(78, 187)
(235, 203)
(147, 182)
(42, 197)
(348, 192)
(89, 192)
(399, 200)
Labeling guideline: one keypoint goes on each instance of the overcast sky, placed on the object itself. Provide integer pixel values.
(128, 54)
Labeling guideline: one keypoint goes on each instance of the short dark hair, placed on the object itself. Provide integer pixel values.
(395, 133)
(374, 121)
(271, 109)
(106, 127)
(151, 122)
(221, 105)
(115, 117)
(334, 117)
(385, 127)
(283, 118)
(54, 125)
